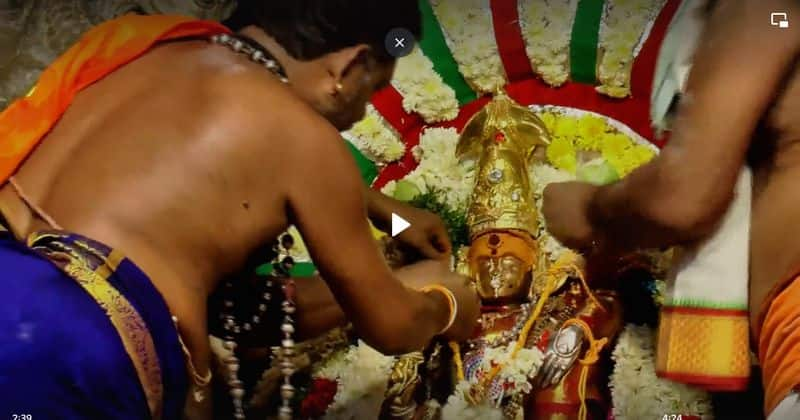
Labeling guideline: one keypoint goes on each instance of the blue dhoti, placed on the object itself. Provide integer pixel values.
(84, 334)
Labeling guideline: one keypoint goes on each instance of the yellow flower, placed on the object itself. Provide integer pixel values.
(549, 120)
(561, 154)
(566, 127)
(631, 159)
(615, 150)
(615, 144)
(591, 129)
(642, 154)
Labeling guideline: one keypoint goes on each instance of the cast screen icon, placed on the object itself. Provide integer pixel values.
(779, 19)
(399, 42)
(399, 225)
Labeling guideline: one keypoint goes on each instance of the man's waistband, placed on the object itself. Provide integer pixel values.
(131, 303)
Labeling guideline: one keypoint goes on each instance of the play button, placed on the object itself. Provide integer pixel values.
(399, 225)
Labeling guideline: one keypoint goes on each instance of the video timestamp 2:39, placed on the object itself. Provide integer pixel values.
(22, 416)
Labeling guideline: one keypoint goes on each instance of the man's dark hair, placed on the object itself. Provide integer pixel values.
(308, 29)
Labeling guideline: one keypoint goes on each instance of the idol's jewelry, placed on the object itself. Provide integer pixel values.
(452, 303)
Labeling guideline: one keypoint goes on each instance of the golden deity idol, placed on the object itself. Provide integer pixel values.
(530, 307)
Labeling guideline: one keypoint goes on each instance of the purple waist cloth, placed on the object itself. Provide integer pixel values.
(84, 334)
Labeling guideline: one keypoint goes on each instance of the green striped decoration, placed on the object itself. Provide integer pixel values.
(435, 47)
(585, 39)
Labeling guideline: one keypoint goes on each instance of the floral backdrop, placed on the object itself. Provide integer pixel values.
(586, 68)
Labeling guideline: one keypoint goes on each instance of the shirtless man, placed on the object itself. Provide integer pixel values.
(192, 156)
(742, 106)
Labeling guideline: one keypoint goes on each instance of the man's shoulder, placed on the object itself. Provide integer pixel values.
(265, 105)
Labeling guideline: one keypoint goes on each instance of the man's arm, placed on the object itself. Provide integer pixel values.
(330, 211)
(681, 195)
(317, 309)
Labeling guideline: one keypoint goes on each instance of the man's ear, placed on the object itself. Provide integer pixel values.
(339, 64)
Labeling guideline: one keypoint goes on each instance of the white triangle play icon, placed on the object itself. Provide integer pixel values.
(399, 225)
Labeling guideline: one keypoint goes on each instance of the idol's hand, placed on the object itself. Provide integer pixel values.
(562, 351)
(565, 211)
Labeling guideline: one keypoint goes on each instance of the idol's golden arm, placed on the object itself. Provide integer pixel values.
(682, 193)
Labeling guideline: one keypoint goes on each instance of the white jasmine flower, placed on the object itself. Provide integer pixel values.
(423, 90)
(637, 392)
(547, 29)
(439, 169)
(468, 29)
(375, 138)
(624, 28)
(362, 374)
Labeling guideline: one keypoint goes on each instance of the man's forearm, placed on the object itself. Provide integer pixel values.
(317, 309)
(643, 211)
(378, 208)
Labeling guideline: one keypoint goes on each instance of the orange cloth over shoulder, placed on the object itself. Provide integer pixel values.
(779, 345)
(98, 53)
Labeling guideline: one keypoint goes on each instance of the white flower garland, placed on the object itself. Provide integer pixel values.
(440, 170)
(625, 26)
(637, 392)
(468, 30)
(516, 372)
(375, 138)
(457, 407)
(362, 375)
(547, 30)
(423, 90)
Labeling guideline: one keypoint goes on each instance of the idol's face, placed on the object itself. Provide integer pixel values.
(502, 279)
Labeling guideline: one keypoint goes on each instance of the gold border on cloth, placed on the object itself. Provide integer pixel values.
(131, 327)
(708, 349)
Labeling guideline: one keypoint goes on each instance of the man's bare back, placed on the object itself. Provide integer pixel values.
(114, 169)
(172, 159)
(775, 157)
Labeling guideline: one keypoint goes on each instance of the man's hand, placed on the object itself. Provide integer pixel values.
(565, 210)
(427, 234)
(426, 273)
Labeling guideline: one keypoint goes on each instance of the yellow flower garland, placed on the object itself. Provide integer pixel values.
(591, 133)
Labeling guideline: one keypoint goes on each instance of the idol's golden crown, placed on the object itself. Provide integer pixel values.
(502, 138)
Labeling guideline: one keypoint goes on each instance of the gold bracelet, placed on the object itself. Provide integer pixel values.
(452, 303)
